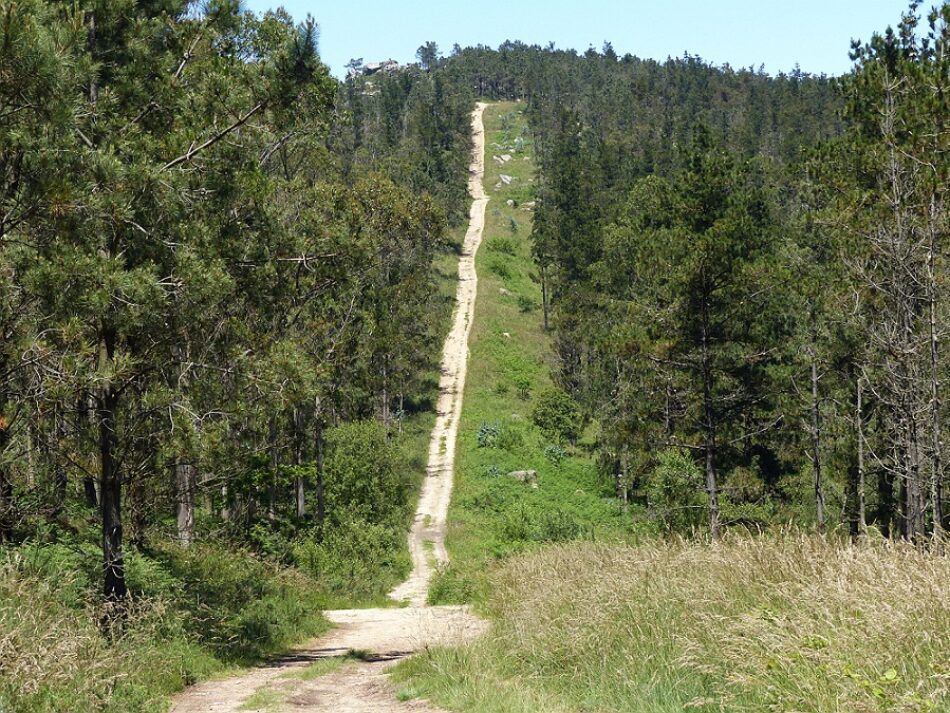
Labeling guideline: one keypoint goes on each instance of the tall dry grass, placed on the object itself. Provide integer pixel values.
(786, 622)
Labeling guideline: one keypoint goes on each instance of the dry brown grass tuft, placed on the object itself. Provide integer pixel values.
(786, 622)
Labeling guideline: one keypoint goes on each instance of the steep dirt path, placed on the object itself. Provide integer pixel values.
(382, 636)
(428, 530)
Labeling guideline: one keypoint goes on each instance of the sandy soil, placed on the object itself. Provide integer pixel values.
(383, 636)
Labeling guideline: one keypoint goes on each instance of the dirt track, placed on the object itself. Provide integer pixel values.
(382, 636)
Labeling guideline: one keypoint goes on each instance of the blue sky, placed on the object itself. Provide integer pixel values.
(814, 33)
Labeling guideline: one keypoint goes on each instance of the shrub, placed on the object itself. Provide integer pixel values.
(523, 384)
(554, 453)
(365, 478)
(503, 245)
(510, 438)
(355, 558)
(500, 267)
(557, 415)
(675, 491)
(487, 436)
(526, 304)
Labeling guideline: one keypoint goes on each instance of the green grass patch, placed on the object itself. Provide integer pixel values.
(263, 699)
(493, 516)
(320, 668)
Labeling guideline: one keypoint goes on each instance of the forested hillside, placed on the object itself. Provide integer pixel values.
(718, 307)
(220, 318)
(745, 276)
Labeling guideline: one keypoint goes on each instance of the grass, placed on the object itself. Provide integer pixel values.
(320, 668)
(783, 622)
(263, 699)
(491, 516)
(194, 614)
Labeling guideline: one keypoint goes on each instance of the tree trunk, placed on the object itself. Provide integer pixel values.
(185, 501)
(110, 487)
(321, 501)
(6, 483)
(60, 481)
(859, 427)
(274, 463)
(710, 426)
(544, 297)
(936, 445)
(816, 443)
(299, 484)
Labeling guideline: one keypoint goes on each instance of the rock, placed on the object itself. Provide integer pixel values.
(510, 203)
(506, 335)
(506, 179)
(505, 157)
(503, 291)
(530, 204)
(497, 159)
(525, 476)
(498, 186)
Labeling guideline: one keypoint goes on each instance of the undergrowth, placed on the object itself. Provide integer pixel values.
(782, 622)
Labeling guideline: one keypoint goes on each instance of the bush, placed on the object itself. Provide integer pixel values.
(503, 245)
(510, 438)
(487, 436)
(675, 491)
(355, 558)
(523, 384)
(364, 475)
(192, 611)
(554, 453)
(530, 524)
(526, 304)
(500, 267)
(557, 415)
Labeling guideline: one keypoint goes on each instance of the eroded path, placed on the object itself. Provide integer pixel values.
(381, 636)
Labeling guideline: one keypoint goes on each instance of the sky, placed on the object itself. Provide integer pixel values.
(816, 34)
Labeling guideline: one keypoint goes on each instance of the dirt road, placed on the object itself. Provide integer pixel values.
(382, 636)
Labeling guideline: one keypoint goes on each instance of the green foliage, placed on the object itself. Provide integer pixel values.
(675, 491)
(500, 266)
(506, 246)
(356, 559)
(194, 612)
(487, 436)
(365, 479)
(554, 453)
(557, 415)
(526, 304)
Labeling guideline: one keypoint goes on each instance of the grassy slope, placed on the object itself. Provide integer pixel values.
(776, 623)
(493, 516)
(784, 623)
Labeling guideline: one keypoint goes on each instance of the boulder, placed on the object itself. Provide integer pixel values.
(525, 476)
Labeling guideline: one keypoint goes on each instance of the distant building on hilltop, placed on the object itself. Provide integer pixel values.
(390, 65)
